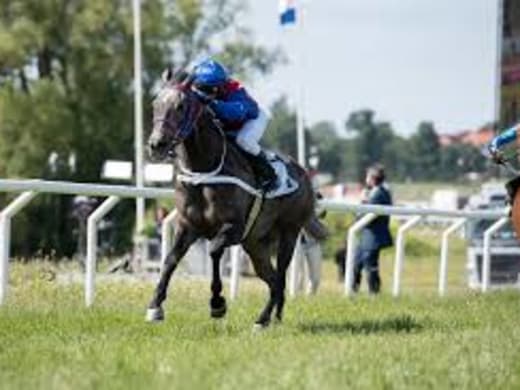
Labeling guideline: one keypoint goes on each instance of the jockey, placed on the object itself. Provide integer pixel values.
(238, 112)
(495, 150)
(496, 145)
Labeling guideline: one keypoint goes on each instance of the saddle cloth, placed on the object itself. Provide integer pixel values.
(285, 183)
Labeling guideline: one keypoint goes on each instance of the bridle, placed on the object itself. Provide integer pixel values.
(191, 114)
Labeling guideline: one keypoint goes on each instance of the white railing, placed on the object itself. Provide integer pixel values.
(461, 216)
(30, 188)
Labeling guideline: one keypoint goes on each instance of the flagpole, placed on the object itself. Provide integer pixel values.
(498, 62)
(300, 90)
(138, 115)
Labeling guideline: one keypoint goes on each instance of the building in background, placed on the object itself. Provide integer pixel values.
(510, 66)
(477, 138)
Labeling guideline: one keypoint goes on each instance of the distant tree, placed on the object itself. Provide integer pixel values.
(371, 139)
(66, 70)
(334, 152)
(425, 151)
(281, 133)
(397, 159)
(459, 159)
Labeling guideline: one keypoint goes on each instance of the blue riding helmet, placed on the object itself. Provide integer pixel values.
(209, 73)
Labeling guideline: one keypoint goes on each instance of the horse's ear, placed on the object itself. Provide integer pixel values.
(167, 74)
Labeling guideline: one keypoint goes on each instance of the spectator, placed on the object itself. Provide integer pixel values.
(376, 235)
(311, 251)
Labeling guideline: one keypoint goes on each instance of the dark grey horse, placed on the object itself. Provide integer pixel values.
(186, 130)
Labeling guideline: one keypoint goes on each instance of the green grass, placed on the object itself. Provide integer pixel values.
(48, 340)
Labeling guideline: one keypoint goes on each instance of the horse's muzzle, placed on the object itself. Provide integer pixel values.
(160, 150)
(157, 150)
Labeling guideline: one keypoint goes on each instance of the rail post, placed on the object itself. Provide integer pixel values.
(92, 238)
(399, 252)
(486, 258)
(443, 266)
(5, 237)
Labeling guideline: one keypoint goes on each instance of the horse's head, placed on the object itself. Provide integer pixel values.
(175, 111)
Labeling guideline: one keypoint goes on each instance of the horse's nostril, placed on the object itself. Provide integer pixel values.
(157, 145)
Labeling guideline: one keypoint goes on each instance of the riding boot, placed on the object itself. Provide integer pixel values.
(264, 172)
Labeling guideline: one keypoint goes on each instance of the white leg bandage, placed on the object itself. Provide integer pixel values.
(253, 130)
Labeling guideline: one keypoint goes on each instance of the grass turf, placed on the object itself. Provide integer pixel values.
(49, 340)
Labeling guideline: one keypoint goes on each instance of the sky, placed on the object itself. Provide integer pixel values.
(408, 60)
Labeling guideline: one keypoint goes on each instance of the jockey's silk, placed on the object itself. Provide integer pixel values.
(235, 106)
(505, 138)
(232, 86)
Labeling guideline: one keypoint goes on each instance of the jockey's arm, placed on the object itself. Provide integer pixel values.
(239, 110)
(504, 138)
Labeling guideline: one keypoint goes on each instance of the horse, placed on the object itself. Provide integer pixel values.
(512, 189)
(513, 192)
(186, 131)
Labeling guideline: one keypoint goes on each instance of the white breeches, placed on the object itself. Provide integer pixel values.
(251, 133)
(312, 254)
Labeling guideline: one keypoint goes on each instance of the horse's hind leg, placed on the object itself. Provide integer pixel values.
(261, 259)
(228, 235)
(260, 254)
(183, 240)
(286, 245)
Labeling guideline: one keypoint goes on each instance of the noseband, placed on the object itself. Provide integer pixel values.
(191, 114)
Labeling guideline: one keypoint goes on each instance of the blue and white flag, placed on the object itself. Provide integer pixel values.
(287, 12)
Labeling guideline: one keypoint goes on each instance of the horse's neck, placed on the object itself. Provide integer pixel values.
(202, 151)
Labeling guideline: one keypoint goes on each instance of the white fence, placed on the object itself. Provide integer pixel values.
(30, 188)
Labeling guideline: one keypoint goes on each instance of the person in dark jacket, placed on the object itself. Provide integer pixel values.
(376, 235)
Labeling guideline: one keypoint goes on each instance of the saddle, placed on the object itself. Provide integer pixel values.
(285, 184)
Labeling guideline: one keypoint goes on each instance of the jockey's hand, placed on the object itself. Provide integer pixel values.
(203, 97)
(496, 155)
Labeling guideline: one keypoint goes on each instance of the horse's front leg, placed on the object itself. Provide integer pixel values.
(228, 235)
(183, 239)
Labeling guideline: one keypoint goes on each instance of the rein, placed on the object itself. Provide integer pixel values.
(200, 176)
(508, 164)
(189, 119)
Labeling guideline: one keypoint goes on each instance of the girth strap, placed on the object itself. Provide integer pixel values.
(253, 215)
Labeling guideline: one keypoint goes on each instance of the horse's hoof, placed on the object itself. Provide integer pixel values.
(218, 307)
(218, 313)
(258, 327)
(154, 314)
